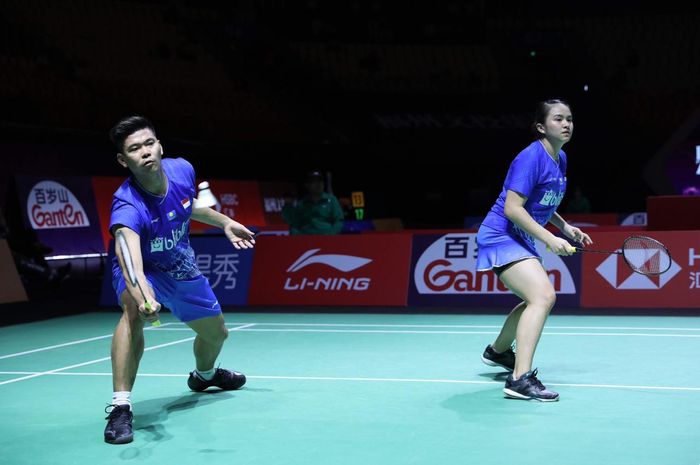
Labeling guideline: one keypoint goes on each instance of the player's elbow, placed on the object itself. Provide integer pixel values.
(510, 210)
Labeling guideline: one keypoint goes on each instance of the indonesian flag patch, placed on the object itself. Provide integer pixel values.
(186, 203)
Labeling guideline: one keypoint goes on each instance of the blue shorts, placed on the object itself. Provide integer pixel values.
(498, 249)
(187, 299)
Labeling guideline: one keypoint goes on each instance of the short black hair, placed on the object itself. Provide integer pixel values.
(126, 127)
(312, 176)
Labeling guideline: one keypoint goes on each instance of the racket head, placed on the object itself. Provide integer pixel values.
(646, 255)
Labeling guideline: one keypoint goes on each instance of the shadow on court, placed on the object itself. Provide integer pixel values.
(499, 376)
(487, 405)
(151, 414)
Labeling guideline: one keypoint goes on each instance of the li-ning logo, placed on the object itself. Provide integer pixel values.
(339, 262)
(343, 263)
(160, 244)
(551, 198)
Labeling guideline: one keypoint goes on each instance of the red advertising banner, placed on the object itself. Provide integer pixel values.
(273, 197)
(671, 212)
(239, 200)
(444, 274)
(608, 282)
(104, 188)
(331, 270)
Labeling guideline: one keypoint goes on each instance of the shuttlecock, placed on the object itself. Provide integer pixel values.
(205, 198)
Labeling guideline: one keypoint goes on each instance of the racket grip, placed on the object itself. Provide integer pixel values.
(150, 309)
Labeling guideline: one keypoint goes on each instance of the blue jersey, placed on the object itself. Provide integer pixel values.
(535, 175)
(163, 223)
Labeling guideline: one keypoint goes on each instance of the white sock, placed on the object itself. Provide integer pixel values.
(121, 398)
(206, 375)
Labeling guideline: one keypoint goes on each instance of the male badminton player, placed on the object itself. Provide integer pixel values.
(533, 189)
(152, 211)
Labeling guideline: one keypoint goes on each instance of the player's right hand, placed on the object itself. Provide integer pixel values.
(560, 246)
(149, 315)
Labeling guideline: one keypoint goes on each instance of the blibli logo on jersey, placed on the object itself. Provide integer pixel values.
(157, 245)
(551, 198)
(161, 244)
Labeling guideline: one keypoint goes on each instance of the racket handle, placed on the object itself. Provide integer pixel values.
(150, 309)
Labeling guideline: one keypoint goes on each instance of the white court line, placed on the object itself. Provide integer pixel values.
(388, 331)
(71, 343)
(379, 380)
(98, 360)
(341, 325)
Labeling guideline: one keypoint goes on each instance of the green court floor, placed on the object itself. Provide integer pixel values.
(355, 389)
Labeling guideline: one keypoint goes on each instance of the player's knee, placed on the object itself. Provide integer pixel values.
(130, 313)
(219, 336)
(549, 298)
(224, 333)
(130, 309)
(545, 299)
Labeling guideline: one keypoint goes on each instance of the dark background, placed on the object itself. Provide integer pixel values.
(421, 104)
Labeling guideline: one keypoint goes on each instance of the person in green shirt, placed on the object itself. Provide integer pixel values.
(316, 213)
(579, 203)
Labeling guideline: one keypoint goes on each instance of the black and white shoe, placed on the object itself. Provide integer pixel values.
(495, 359)
(528, 387)
(119, 429)
(223, 379)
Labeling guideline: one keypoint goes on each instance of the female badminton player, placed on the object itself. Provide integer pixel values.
(151, 210)
(533, 189)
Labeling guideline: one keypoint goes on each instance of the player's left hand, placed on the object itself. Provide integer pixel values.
(240, 236)
(574, 233)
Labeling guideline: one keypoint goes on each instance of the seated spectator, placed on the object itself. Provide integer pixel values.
(318, 212)
(578, 203)
(28, 255)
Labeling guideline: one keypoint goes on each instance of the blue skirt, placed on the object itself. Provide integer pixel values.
(497, 249)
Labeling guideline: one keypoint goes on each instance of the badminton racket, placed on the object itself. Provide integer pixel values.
(642, 254)
(129, 264)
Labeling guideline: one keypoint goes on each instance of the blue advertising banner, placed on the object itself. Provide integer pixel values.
(227, 269)
(443, 273)
(62, 212)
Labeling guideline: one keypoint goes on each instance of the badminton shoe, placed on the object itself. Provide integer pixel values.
(504, 359)
(119, 430)
(528, 387)
(223, 379)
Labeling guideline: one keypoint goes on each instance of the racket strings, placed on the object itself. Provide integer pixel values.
(646, 255)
